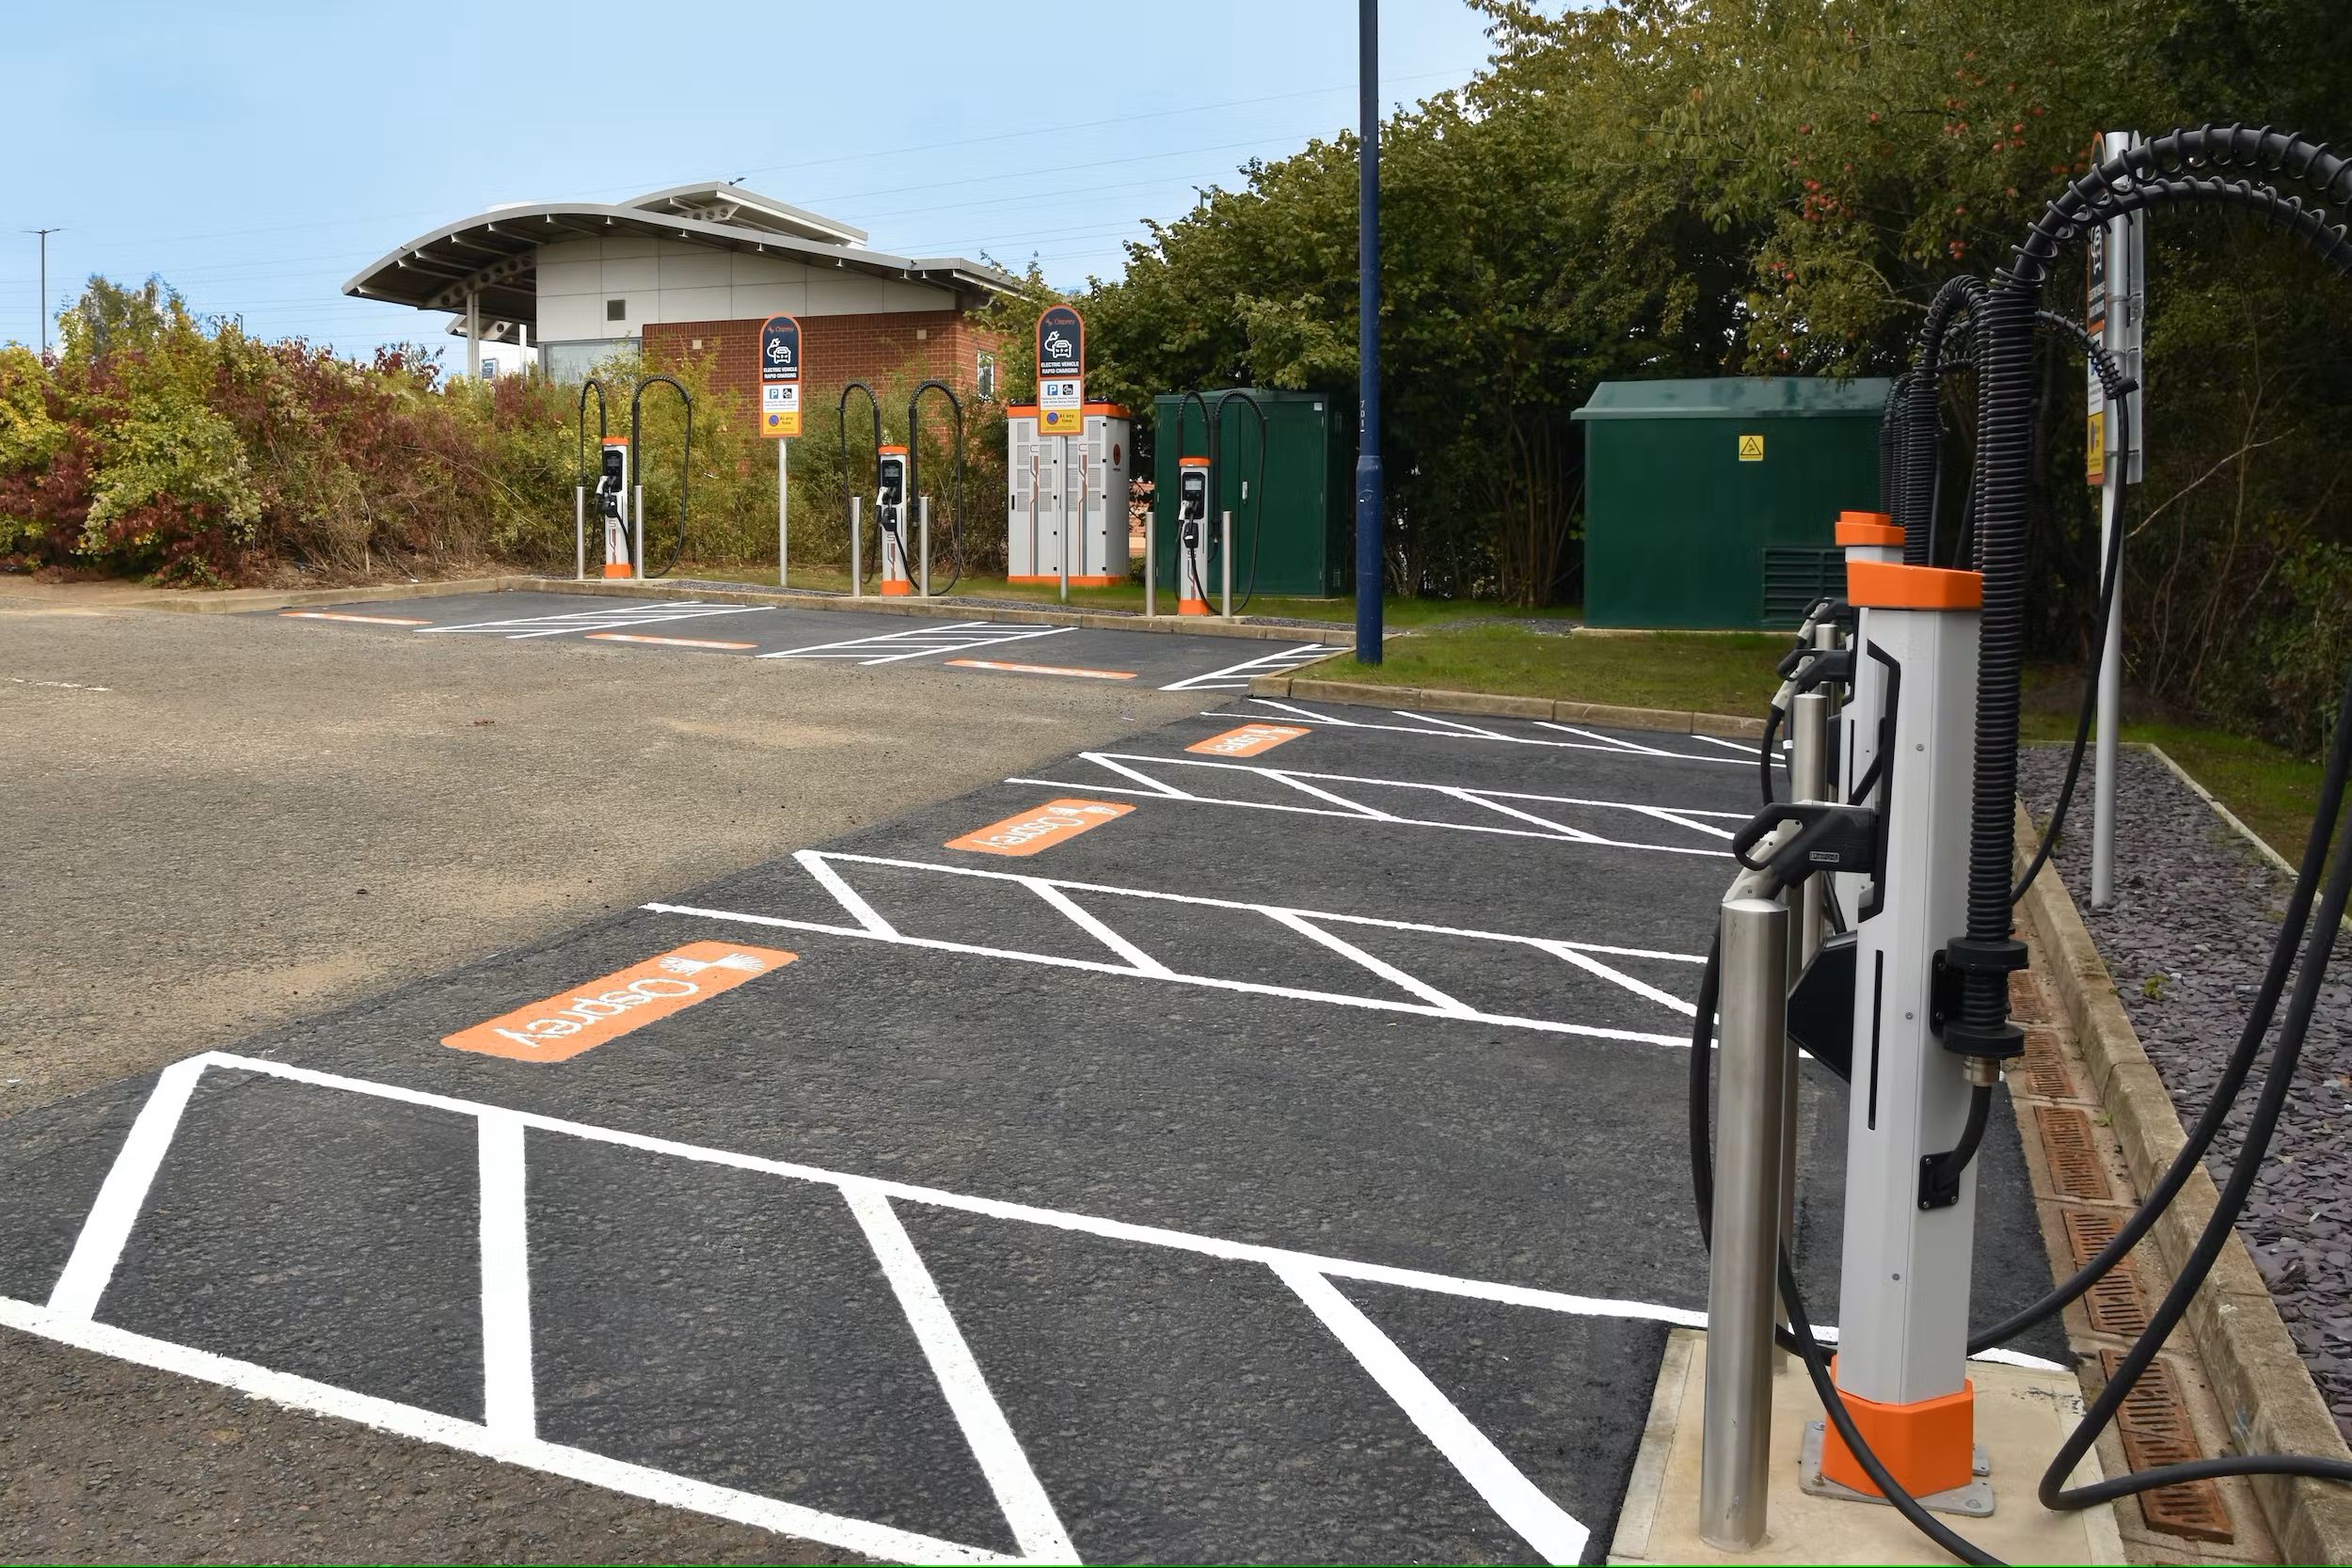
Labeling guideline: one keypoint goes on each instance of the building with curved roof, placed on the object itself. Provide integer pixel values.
(691, 269)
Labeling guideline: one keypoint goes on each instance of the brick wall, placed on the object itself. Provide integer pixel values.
(833, 349)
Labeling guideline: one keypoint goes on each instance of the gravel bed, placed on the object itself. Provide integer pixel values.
(2187, 939)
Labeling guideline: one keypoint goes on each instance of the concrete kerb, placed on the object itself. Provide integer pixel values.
(234, 599)
(1677, 720)
(2272, 1404)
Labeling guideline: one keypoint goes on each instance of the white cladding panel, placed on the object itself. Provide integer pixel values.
(668, 280)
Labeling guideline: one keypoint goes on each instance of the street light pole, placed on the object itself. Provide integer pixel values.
(45, 234)
(1370, 483)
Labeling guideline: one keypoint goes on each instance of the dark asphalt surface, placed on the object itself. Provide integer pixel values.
(847, 638)
(735, 1326)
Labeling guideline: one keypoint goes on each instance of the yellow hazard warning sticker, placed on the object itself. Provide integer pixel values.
(587, 1016)
(1041, 829)
(1750, 449)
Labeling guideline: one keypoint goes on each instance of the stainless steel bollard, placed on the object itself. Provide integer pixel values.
(924, 508)
(579, 533)
(636, 537)
(857, 568)
(1809, 780)
(1150, 561)
(1735, 1446)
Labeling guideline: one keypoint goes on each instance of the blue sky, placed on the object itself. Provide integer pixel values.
(258, 155)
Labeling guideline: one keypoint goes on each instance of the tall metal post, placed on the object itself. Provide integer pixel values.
(1061, 513)
(473, 335)
(1371, 482)
(2122, 313)
(1735, 1446)
(1225, 551)
(580, 533)
(45, 234)
(1809, 780)
(857, 568)
(783, 497)
(1152, 560)
(923, 507)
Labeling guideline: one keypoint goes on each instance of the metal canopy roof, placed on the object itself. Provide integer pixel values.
(495, 253)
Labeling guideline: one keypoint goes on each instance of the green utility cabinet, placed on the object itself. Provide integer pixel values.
(1308, 516)
(1714, 503)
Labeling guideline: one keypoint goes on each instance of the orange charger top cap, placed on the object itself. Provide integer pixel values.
(1867, 528)
(887, 451)
(1189, 462)
(1888, 585)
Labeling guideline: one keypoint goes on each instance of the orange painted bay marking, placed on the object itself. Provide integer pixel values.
(1041, 829)
(571, 1021)
(1043, 669)
(1248, 741)
(369, 620)
(667, 642)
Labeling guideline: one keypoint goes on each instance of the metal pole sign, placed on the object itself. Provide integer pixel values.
(780, 376)
(1061, 369)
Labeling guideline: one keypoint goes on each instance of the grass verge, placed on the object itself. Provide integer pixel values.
(1705, 674)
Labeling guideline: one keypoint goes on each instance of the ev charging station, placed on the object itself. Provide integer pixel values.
(619, 490)
(890, 519)
(1066, 497)
(1910, 1002)
(1192, 536)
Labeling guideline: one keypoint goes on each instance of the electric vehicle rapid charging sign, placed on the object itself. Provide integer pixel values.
(780, 376)
(1062, 369)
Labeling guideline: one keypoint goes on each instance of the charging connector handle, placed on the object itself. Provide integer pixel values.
(1828, 837)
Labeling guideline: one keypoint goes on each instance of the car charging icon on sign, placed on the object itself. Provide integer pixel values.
(1061, 368)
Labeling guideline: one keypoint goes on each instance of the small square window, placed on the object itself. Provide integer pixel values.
(617, 310)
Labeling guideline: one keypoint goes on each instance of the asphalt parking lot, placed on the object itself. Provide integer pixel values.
(846, 638)
(1257, 1138)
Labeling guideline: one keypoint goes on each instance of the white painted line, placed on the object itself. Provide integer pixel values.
(509, 1384)
(637, 614)
(1168, 790)
(1252, 988)
(1681, 818)
(107, 1226)
(1749, 751)
(846, 895)
(666, 641)
(1387, 971)
(1471, 797)
(1058, 1219)
(1353, 811)
(894, 647)
(430, 1426)
(1304, 716)
(1026, 1507)
(1451, 724)
(1608, 739)
(1077, 671)
(1540, 1522)
(1085, 920)
(1235, 677)
(364, 620)
(1615, 976)
(1298, 783)
(1321, 916)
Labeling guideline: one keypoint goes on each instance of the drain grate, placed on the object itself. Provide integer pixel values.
(2026, 1001)
(2155, 1429)
(2075, 1163)
(2113, 1302)
(2045, 1071)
